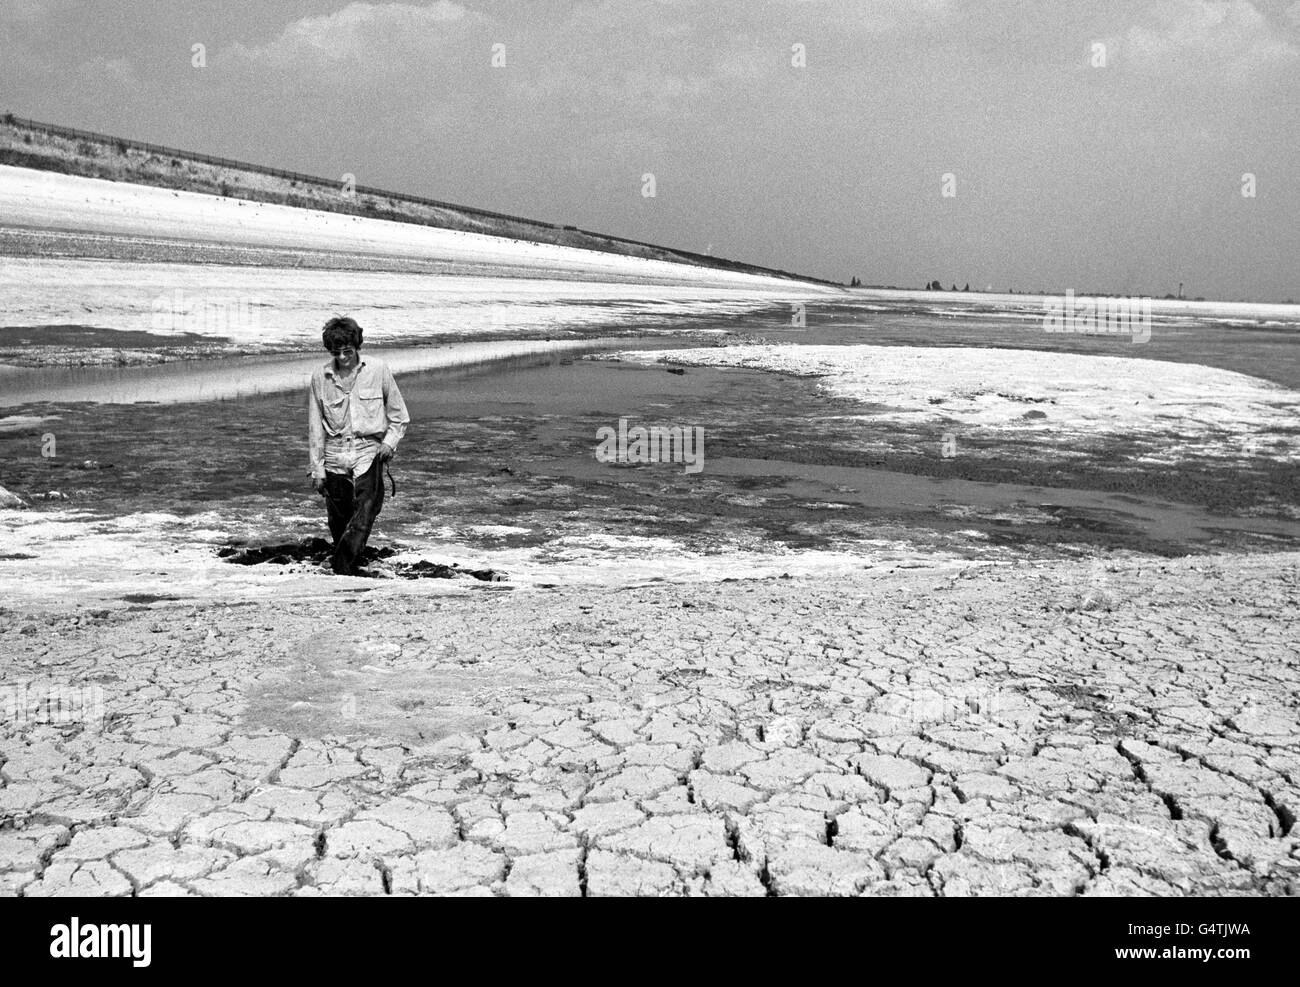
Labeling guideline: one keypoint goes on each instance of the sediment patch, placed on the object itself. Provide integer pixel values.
(374, 561)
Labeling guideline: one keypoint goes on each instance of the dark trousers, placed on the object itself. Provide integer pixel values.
(352, 506)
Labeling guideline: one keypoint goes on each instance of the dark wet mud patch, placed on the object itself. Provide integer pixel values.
(305, 550)
(81, 346)
(100, 337)
(374, 562)
(437, 570)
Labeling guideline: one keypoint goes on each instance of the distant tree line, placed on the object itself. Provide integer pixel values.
(937, 285)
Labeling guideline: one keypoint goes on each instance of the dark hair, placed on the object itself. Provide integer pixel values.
(341, 331)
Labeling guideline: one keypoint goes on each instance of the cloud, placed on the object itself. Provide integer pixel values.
(119, 71)
(881, 17)
(29, 11)
(359, 32)
(109, 84)
(1233, 36)
(602, 61)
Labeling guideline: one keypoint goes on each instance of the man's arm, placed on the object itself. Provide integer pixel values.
(395, 410)
(315, 433)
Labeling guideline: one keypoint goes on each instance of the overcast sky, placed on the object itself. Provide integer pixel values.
(1126, 177)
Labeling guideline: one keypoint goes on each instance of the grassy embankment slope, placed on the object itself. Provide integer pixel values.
(31, 145)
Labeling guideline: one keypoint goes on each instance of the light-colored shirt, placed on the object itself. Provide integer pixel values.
(345, 426)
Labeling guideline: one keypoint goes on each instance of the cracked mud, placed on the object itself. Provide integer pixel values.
(911, 733)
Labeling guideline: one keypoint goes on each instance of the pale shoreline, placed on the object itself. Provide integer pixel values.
(49, 200)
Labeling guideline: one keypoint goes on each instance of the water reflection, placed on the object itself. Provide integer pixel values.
(215, 380)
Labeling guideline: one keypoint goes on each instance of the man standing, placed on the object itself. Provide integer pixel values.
(355, 418)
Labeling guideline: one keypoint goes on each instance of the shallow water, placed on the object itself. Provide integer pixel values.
(500, 457)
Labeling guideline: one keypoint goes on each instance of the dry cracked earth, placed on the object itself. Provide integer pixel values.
(991, 731)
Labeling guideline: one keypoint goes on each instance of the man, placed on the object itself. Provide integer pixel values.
(355, 419)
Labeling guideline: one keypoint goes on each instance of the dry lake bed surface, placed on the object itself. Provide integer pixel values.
(954, 606)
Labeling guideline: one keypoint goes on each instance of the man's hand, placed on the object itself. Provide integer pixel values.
(318, 484)
(385, 452)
